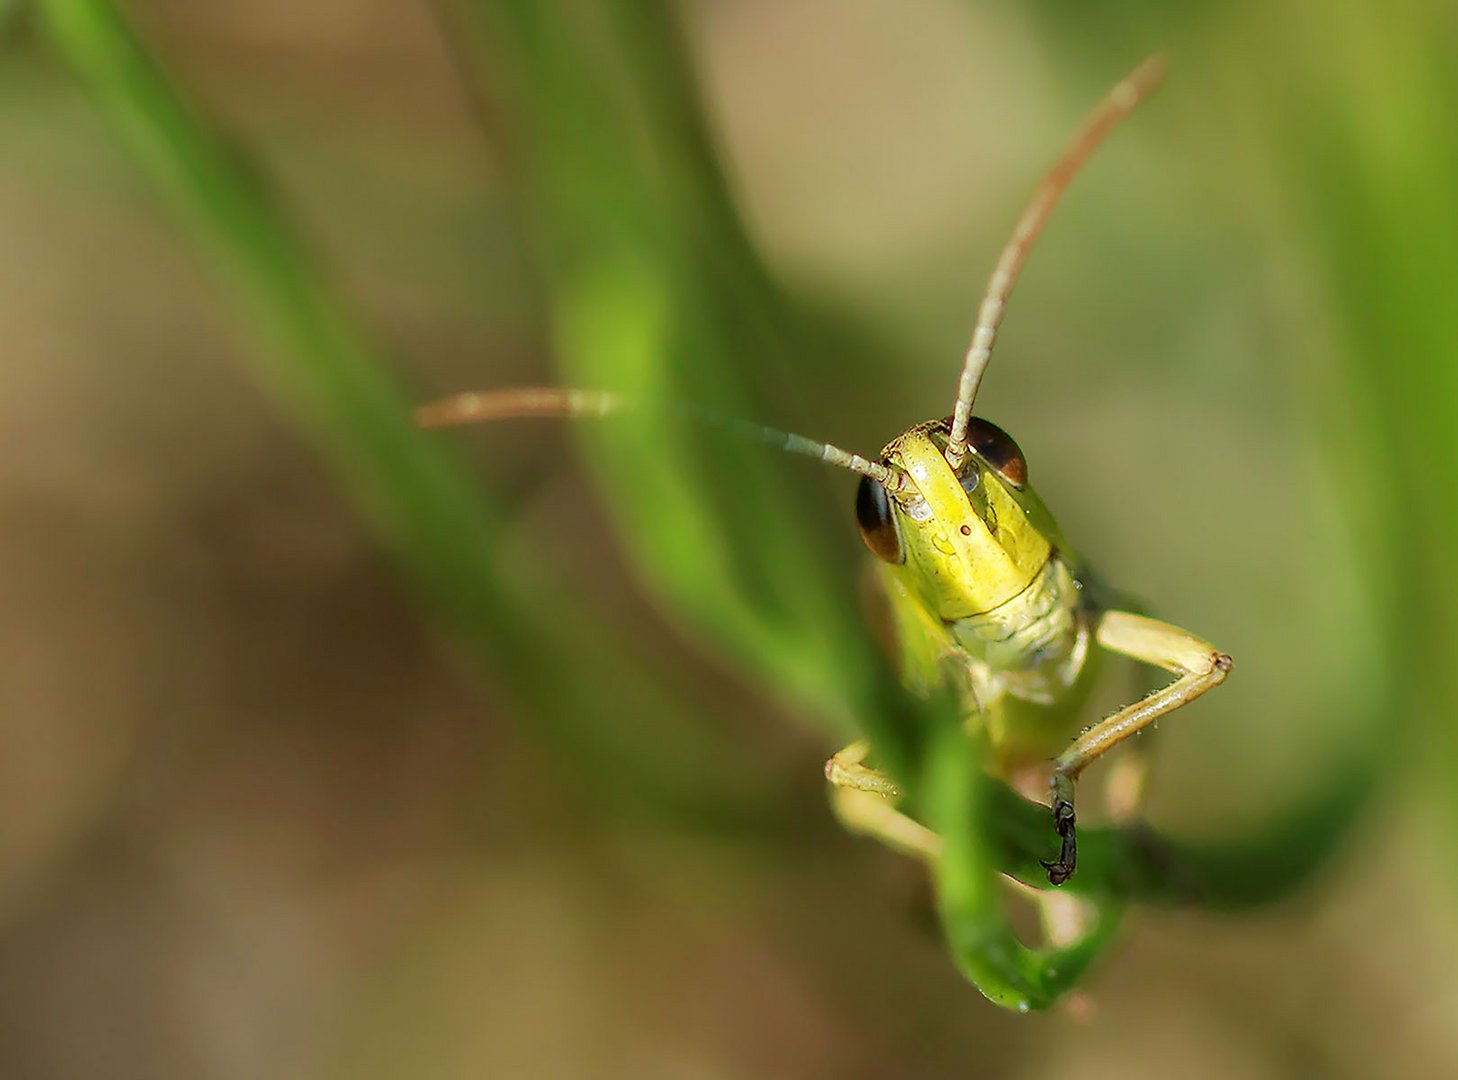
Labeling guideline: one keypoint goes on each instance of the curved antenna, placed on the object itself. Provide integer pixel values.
(480, 407)
(1117, 104)
(549, 401)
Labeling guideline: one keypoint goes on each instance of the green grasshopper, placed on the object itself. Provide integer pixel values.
(977, 574)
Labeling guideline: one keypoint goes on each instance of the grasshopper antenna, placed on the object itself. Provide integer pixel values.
(547, 401)
(1117, 104)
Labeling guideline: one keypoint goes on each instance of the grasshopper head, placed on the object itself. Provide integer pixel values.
(950, 508)
(967, 539)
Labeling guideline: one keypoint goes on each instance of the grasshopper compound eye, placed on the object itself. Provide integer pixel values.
(878, 524)
(996, 447)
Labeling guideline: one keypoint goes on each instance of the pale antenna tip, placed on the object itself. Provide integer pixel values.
(1117, 103)
(1140, 83)
(458, 409)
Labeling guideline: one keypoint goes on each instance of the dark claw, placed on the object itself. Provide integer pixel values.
(1058, 871)
(1061, 869)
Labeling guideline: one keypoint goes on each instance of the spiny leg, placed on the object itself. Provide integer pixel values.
(1126, 779)
(1125, 782)
(1127, 776)
(1064, 918)
(1199, 665)
(867, 814)
(861, 799)
(846, 770)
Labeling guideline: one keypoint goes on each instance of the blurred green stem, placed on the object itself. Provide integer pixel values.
(658, 294)
(1365, 140)
(321, 368)
(957, 798)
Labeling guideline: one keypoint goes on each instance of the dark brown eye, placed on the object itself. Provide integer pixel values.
(878, 525)
(996, 447)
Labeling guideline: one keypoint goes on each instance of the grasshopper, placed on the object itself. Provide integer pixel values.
(978, 577)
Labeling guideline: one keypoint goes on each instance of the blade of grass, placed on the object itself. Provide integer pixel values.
(320, 367)
(658, 294)
(958, 800)
(1365, 137)
(1230, 874)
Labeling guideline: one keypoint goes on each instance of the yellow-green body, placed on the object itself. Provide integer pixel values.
(988, 587)
(985, 596)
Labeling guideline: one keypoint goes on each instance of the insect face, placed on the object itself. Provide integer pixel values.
(962, 538)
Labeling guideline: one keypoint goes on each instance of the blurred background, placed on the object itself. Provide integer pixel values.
(265, 814)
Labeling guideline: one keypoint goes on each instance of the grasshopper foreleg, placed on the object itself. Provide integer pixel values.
(847, 770)
(1200, 667)
(1061, 868)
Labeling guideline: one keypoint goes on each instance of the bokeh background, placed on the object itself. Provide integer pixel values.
(273, 806)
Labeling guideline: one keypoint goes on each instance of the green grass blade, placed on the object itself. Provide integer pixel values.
(657, 294)
(318, 365)
(959, 803)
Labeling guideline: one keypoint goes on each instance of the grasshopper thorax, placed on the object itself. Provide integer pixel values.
(964, 539)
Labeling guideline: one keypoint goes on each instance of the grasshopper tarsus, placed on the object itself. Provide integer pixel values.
(1059, 871)
(1061, 868)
